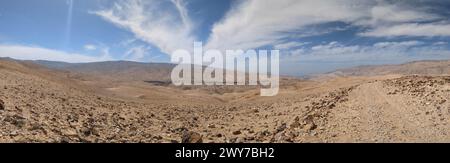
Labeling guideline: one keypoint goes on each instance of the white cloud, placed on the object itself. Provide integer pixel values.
(394, 13)
(440, 43)
(334, 48)
(256, 23)
(136, 53)
(151, 21)
(403, 44)
(331, 56)
(395, 19)
(410, 29)
(39, 53)
(381, 51)
(90, 47)
(289, 45)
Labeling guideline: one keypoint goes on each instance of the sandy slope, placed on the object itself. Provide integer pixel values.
(43, 105)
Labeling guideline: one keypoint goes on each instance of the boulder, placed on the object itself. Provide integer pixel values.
(191, 137)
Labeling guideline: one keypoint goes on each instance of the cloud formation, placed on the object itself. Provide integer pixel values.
(410, 29)
(136, 53)
(23, 52)
(163, 24)
(401, 51)
(256, 23)
(90, 47)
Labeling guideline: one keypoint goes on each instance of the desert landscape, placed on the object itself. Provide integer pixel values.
(124, 102)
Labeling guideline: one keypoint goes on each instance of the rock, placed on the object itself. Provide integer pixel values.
(239, 140)
(87, 131)
(13, 133)
(159, 137)
(310, 126)
(64, 140)
(238, 132)
(282, 127)
(211, 126)
(309, 123)
(296, 123)
(191, 137)
(2, 105)
(69, 132)
(180, 130)
(16, 120)
(36, 126)
(233, 109)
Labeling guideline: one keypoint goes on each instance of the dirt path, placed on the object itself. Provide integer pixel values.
(372, 115)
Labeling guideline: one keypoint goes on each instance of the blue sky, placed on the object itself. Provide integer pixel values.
(313, 36)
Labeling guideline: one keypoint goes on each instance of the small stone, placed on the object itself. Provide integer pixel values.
(238, 132)
(16, 120)
(282, 127)
(239, 140)
(192, 137)
(69, 132)
(310, 126)
(296, 123)
(159, 137)
(233, 109)
(13, 133)
(211, 126)
(2, 105)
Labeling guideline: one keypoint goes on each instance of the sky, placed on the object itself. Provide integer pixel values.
(312, 36)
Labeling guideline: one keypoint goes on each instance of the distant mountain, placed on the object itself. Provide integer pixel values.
(136, 71)
(116, 70)
(411, 68)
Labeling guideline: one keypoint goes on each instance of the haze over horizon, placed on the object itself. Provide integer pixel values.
(313, 36)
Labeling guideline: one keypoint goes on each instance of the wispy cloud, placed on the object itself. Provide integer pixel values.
(289, 45)
(90, 47)
(153, 21)
(410, 29)
(403, 44)
(282, 24)
(136, 53)
(382, 51)
(256, 23)
(24, 52)
(392, 13)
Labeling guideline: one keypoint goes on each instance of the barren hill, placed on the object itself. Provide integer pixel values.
(41, 104)
(412, 68)
(117, 70)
